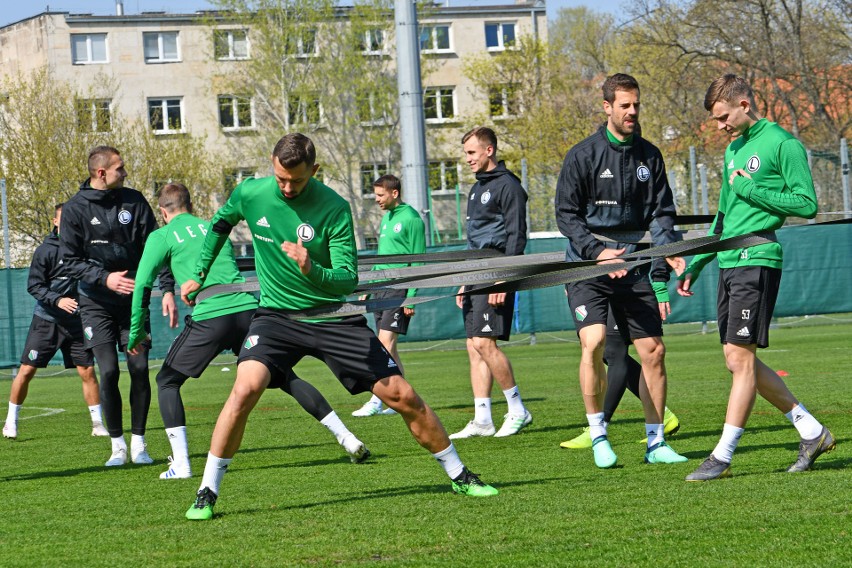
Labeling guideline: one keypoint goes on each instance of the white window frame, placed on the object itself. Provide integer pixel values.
(445, 166)
(234, 100)
(442, 92)
(377, 169)
(92, 114)
(300, 43)
(433, 35)
(367, 39)
(500, 46)
(505, 102)
(231, 56)
(376, 118)
(301, 100)
(164, 109)
(161, 56)
(89, 51)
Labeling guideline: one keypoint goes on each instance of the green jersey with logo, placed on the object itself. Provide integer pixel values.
(780, 186)
(401, 232)
(178, 245)
(318, 216)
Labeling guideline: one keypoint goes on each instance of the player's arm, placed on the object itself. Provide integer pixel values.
(38, 281)
(513, 206)
(72, 250)
(571, 210)
(342, 276)
(154, 258)
(221, 225)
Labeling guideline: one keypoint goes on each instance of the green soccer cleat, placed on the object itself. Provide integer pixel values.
(604, 456)
(710, 469)
(202, 509)
(670, 425)
(468, 483)
(663, 453)
(810, 450)
(582, 441)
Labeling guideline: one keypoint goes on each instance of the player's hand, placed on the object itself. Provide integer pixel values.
(408, 311)
(665, 310)
(459, 297)
(736, 173)
(188, 288)
(497, 299)
(611, 256)
(677, 263)
(119, 283)
(137, 347)
(67, 305)
(683, 285)
(170, 309)
(299, 253)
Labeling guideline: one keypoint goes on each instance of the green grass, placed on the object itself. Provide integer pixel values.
(291, 496)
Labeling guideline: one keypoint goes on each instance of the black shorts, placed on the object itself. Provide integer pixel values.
(201, 341)
(391, 320)
(617, 328)
(484, 320)
(45, 338)
(349, 348)
(107, 324)
(631, 297)
(746, 301)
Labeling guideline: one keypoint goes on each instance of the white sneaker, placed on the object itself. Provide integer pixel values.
(118, 457)
(474, 429)
(98, 429)
(140, 455)
(356, 449)
(10, 430)
(369, 409)
(177, 470)
(388, 411)
(513, 424)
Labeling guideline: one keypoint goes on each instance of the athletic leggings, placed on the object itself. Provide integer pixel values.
(622, 373)
(140, 389)
(169, 382)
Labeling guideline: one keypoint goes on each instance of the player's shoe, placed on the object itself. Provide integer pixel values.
(118, 457)
(602, 450)
(140, 455)
(177, 470)
(388, 411)
(474, 429)
(356, 449)
(663, 453)
(202, 508)
(10, 430)
(468, 483)
(810, 450)
(711, 468)
(369, 409)
(98, 429)
(671, 425)
(582, 441)
(513, 424)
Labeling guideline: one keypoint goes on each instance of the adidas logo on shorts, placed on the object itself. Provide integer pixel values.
(487, 329)
(744, 332)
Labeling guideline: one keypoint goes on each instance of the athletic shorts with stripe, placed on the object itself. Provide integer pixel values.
(45, 338)
(746, 301)
(481, 319)
(391, 320)
(201, 341)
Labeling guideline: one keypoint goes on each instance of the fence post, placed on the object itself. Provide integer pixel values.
(7, 255)
(844, 177)
(692, 181)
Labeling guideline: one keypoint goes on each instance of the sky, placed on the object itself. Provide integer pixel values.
(14, 10)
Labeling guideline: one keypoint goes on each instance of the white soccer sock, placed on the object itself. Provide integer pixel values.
(808, 426)
(597, 425)
(513, 399)
(118, 443)
(137, 443)
(95, 414)
(336, 426)
(375, 400)
(724, 450)
(214, 471)
(12, 416)
(180, 448)
(482, 410)
(450, 461)
(654, 433)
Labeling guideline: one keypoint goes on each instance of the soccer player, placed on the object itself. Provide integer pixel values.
(217, 323)
(766, 178)
(55, 327)
(102, 234)
(306, 258)
(616, 180)
(496, 219)
(401, 232)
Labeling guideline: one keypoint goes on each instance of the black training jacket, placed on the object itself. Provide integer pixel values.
(48, 281)
(606, 186)
(497, 212)
(104, 231)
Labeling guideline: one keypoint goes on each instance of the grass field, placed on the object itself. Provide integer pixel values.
(291, 497)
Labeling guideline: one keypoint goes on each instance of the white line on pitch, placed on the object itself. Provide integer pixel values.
(47, 412)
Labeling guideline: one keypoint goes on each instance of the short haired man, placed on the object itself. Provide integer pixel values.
(217, 323)
(766, 178)
(616, 180)
(401, 231)
(102, 234)
(496, 219)
(306, 258)
(55, 327)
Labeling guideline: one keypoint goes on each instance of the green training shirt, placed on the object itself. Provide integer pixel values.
(178, 245)
(318, 216)
(401, 232)
(780, 186)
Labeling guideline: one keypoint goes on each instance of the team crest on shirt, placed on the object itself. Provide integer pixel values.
(251, 341)
(88, 333)
(397, 228)
(753, 164)
(33, 355)
(643, 173)
(124, 217)
(486, 197)
(305, 232)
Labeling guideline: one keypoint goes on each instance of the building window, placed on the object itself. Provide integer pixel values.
(435, 39)
(439, 103)
(499, 36)
(443, 175)
(302, 43)
(304, 109)
(235, 112)
(93, 115)
(503, 101)
(369, 174)
(165, 115)
(88, 48)
(160, 47)
(233, 178)
(229, 45)
(372, 42)
(373, 111)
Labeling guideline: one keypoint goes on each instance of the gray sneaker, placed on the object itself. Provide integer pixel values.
(711, 468)
(810, 450)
